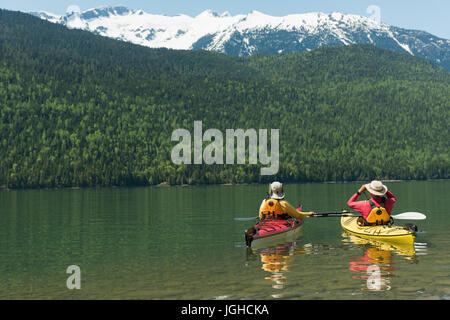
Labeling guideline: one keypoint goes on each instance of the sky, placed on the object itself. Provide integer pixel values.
(432, 16)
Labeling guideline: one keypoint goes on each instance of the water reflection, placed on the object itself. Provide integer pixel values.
(376, 266)
(277, 260)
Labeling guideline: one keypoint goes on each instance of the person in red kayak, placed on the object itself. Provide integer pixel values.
(377, 210)
(276, 207)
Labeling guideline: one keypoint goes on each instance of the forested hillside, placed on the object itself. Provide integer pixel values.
(82, 110)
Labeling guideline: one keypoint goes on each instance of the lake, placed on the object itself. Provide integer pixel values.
(183, 243)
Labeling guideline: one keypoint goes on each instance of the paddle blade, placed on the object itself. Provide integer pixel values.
(410, 216)
(245, 219)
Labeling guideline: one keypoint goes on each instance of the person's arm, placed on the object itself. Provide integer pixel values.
(354, 204)
(389, 203)
(294, 213)
(391, 196)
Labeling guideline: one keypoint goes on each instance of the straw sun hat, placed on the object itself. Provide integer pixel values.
(276, 190)
(376, 188)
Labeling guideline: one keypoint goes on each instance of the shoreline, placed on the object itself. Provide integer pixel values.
(166, 185)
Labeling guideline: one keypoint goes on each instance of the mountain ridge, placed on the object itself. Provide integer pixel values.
(255, 32)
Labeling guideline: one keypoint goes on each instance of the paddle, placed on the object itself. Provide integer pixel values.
(332, 214)
(410, 216)
(245, 219)
(401, 216)
(345, 213)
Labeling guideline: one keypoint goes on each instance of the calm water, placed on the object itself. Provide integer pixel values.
(182, 243)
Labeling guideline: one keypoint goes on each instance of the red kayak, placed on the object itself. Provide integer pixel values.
(272, 231)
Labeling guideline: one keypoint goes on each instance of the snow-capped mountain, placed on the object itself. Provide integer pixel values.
(243, 35)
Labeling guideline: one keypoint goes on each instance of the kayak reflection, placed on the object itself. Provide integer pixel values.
(375, 267)
(277, 259)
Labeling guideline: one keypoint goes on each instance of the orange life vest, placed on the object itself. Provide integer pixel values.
(378, 215)
(272, 210)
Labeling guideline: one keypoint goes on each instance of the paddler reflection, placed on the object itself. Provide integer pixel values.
(277, 260)
(376, 266)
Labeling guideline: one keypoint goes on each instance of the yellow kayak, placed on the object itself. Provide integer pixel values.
(392, 234)
(403, 249)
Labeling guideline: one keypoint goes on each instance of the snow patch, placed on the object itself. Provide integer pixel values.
(404, 46)
(183, 31)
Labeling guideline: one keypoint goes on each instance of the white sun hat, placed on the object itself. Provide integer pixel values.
(376, 188)
(276, 189)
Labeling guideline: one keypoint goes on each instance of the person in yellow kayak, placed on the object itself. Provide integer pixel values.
(276, 207)
(377, 210)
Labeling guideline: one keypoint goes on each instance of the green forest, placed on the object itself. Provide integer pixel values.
(81, 110)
